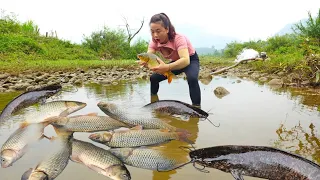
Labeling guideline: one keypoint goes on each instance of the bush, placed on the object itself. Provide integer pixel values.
(113, 44)
(22, 41)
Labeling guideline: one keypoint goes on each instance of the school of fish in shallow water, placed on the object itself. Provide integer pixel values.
(132, 139)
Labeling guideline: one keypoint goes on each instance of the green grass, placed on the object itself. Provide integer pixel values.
(287, 63)
(215, 61)
(16, 67)
(277, 63)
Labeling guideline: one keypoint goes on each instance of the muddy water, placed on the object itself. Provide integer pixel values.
(251, 114)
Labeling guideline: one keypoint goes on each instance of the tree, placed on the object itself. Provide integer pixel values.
(130, 34)
(107, 42)
(311, 29)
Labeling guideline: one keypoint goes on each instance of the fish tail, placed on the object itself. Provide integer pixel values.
(50, 120)
(182, 130)
(26, 175)
(183, 136)
(170, 76)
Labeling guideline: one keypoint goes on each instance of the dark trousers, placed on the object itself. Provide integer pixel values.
(191, 71)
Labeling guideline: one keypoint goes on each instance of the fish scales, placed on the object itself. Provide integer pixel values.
(146, 120)
(16, 145)
(104, 161)
(146, 158)
(89, 123)
(51, 109)
(97, 155)
(55, 163)
(22, 136)
(136, 138)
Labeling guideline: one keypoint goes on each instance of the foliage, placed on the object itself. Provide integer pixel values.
(297, 52)
(23, 41)
(311, 29)
(113, 44)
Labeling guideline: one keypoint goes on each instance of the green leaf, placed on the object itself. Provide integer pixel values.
(317, 76)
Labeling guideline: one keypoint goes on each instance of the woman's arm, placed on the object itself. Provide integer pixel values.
(182, 62)
(178, 64)
(150, 50)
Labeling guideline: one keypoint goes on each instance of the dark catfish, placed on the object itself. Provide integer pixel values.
(176, 107)
(256, 161)
(29, 98)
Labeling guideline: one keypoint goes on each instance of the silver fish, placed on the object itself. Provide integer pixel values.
(99, 160)
(52, 109)
(53, 164)
(146, 120)
(28, 98)
(88, 123)
(136, 138)
(17, 144)
(152, 158)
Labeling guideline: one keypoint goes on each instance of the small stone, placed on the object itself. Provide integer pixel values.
(275, 82)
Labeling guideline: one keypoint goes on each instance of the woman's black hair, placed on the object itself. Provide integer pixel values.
(166, 23)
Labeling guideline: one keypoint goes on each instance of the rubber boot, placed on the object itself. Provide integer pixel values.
(154, 98)
(197, 106)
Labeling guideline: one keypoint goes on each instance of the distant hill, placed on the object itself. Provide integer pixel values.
(287, 29)
(202, 39)
(204, 50)
(199, 38)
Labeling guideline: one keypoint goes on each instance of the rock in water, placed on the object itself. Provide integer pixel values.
(220, 92)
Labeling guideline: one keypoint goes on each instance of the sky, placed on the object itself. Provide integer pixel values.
(240, 19)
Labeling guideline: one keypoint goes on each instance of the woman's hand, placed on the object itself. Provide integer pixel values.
(162, 68)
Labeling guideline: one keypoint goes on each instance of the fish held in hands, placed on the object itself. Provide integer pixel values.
(151, 60)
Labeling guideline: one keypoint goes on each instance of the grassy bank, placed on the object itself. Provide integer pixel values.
(15, 67)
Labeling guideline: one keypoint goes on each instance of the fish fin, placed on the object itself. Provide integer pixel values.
(236, 174)
(138, 127)
(97, 169)
(64, 113)
(91, 114)
(182, 130)
(120, 130)
(62, 132)
(52, 138)
(157, 147)
(23, 124)
(51, 119)
(26, 175)
(169, 76)
(183, 136)
(164, 130)
(75, 159)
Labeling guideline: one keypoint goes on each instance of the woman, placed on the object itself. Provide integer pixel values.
(179, 50)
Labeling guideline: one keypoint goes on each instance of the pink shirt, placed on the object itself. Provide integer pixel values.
(179, 42)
